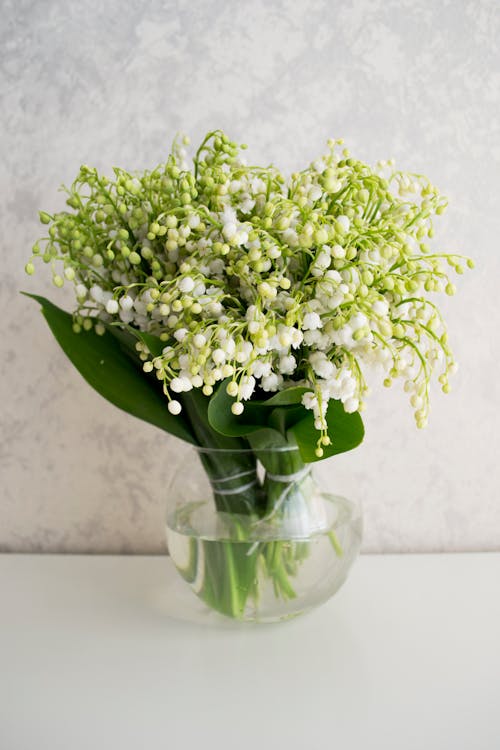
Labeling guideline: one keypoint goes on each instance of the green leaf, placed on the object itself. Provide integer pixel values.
(284, 418)
(288, 397)
(256, 414)
(154, 343)
(345, 430)
(222, 419)
(103, 363)
(289, 422)
(127, 342)
(268, 439)
(196, 405)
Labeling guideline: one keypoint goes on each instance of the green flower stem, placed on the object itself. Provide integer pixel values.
(224, 458)
(282, 464)
(332, 536)
(231, 567)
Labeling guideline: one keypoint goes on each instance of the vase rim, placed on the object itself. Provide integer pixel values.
(239, 451)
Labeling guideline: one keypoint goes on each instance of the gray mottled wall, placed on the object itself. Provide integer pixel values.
(110, 83)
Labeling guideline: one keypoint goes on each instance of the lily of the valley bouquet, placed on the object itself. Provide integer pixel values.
(241, 312)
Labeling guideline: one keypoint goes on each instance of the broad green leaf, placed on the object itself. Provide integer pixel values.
(196, 405)
(263, 428)
(194, 402)
(268, 439)
(289, 423)
(104, 364)
(345, 430)
(283, 418)
(256, 414)
(222, 419)
(154, 343)
(288, 397)
(127, 342)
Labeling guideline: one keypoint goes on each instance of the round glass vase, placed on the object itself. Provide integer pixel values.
(254, 535)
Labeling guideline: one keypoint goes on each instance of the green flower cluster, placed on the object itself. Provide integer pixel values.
(267, 281)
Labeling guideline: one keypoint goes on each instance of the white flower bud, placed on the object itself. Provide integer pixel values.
(351, 405)
(309, 400)
(311, 322)
(199, 289)
(338, 252)
(417, 401)
(291, 238)
(174, 407)
(287, 365)
(285, 339)
(241, 238)
(199, 341)
(232, 388)
(180, 334)
(271, 382)
(380, 307)
(229, 230)
(126, 302)
(322, 365)
(229, 346)
(315, 193)
(186, 284)
(247, 387)
(266, 290)
(321, 263)
(218, 356)
(176, 385)
(126, 316)
(297, 337)
(81, 291)
(96, 293)
(274, 252)
(261, 369)
(343, 222)
(112, 306)
(243, 352)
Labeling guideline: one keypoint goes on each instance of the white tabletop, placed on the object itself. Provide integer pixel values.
(113, 653)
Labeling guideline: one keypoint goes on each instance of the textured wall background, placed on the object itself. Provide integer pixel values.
(110, 83)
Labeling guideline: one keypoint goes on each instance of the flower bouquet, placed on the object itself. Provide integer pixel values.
(241, 312)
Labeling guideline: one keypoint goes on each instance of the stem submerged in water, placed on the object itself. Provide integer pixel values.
(267, 526)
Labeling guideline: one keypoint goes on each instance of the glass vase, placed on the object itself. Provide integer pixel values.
(255, 536)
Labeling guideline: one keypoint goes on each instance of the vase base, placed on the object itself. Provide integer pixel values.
(239, 567)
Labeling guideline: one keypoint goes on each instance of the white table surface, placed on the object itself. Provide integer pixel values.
(114, 653)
